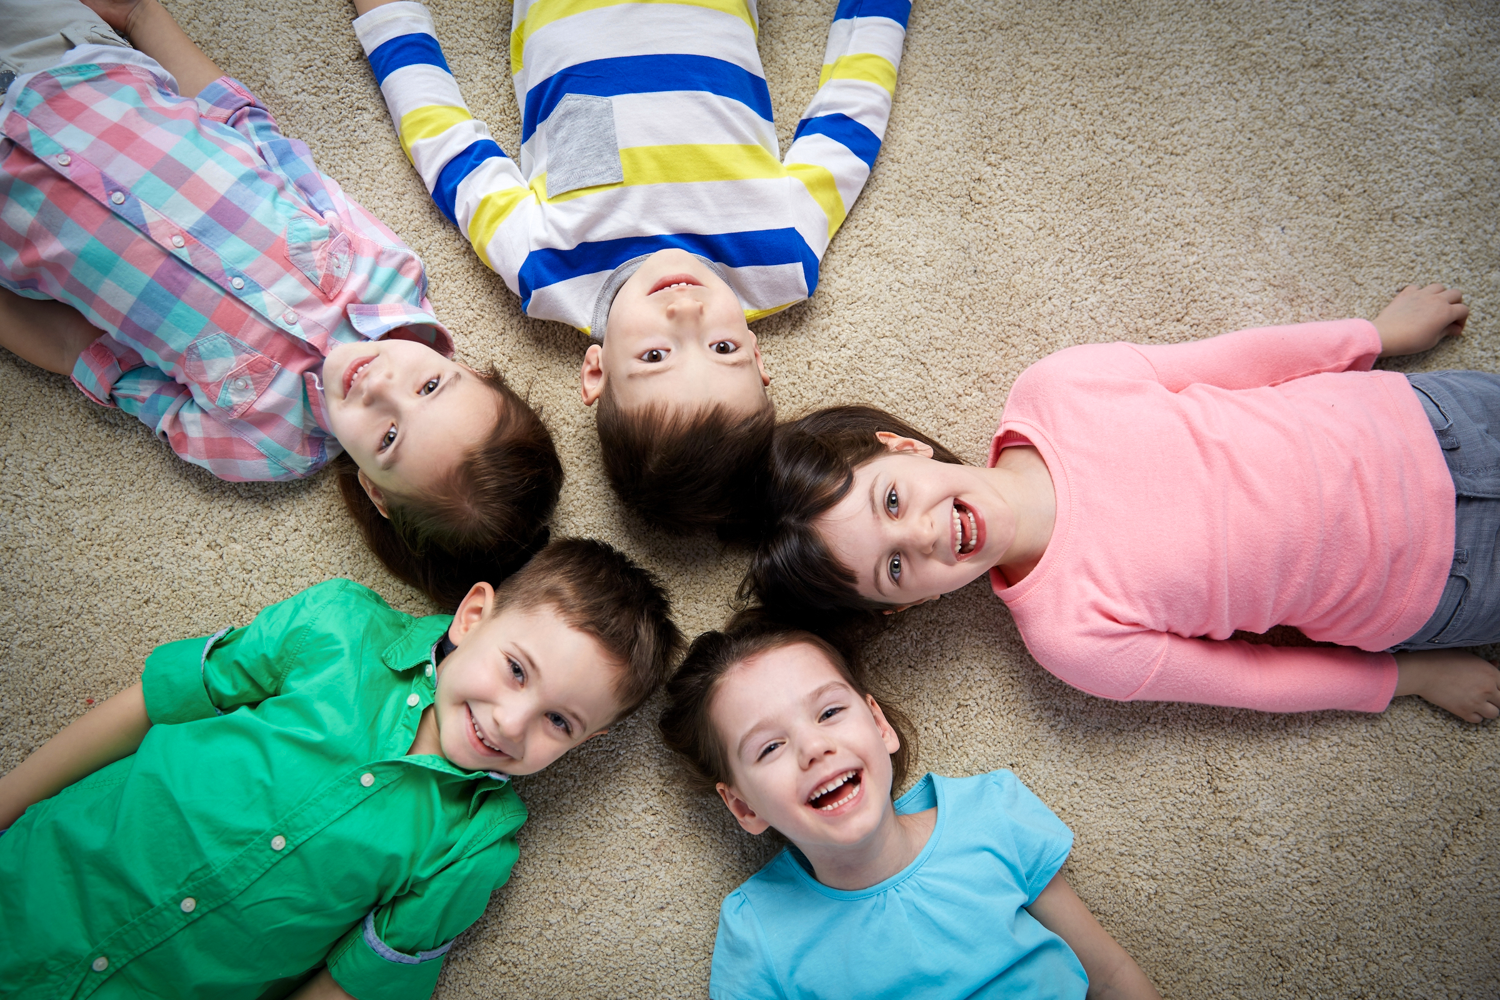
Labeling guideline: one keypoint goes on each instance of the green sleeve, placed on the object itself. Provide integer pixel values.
(397, 951)
(197, 678)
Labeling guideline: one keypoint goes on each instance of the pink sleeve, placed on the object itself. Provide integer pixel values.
(1249, 359)
(1270, 678)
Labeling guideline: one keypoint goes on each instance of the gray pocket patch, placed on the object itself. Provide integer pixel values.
(581, 146)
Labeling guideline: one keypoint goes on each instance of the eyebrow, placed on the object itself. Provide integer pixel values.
(875, 512)
(739, 748)
(443, 383)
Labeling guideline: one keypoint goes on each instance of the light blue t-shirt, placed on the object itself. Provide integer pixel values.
(950, 924)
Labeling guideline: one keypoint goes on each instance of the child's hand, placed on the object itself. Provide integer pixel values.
(1464, 684)
(1418, 318)
(115, 13)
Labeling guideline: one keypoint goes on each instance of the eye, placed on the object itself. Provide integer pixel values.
(655, 356)
(892, 502)
(560, 723)
(430, 386)
(516, 671)
(830, 712)
(767, 749)
(895, 568)
(388, 438)
(724, 347)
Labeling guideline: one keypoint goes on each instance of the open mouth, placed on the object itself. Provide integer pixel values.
(479, 735)
(670, 281)
(965, 529)
(355, 369)
(835, 793)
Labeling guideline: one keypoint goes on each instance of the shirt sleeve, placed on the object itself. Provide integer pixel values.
(834, 147)
(1035, 842)
(1249, 359)
(469, 176)
(742, 968)
(397, 952)
(198, 678)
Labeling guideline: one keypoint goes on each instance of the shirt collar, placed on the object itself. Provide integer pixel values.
(415, 646)
(374, 320)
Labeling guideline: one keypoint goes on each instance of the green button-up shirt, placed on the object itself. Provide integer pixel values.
(270, 822)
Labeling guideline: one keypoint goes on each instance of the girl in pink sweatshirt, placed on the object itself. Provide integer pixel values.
(1143, 503)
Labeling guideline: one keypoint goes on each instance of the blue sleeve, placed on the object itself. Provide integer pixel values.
(742, 968)
(1036, 841)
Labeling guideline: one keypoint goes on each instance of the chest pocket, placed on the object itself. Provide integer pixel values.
(322, 254)
(230, 374)
(581, 147)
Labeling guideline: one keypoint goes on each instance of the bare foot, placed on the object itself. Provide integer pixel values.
(1464, 684)
(1418, 318)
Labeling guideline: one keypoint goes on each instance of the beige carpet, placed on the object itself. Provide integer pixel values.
(1054, 173)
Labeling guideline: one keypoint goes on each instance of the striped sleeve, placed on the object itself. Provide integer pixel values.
(836, 141)
(468, 175)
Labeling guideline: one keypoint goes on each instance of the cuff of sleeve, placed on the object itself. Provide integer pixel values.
(173, 681)
(1367, 360)
(369, 969)
(99, 367)
(225, 97)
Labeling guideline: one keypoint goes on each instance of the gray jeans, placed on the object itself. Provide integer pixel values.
(38, 33)
(1464, 408)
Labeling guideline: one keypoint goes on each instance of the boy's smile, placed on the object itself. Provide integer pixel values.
(522, 688)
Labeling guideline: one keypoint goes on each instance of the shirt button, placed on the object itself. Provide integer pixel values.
(367, 779)
(412, 699)
(118, 197)
(289, 317)
(429, 670)
(242, 383)
(177, 240)
(64, 159)
(189, 905)
(237, 282)
(278, 842)
(99, 964)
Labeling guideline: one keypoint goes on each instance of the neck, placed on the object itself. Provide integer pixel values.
(892, 846)
(1026, 484)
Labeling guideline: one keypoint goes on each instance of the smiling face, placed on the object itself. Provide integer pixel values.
(808, 754)
(522, 688)
(677, 334)
(912, 528)
(404, 413)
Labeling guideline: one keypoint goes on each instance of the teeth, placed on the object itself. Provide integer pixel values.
(963, 543)
(481, 735)
(835, 783)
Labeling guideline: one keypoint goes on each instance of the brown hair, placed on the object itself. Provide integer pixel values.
(812, 468)
(685, 724)
(598, 591)
(686, 471)
(481, 521)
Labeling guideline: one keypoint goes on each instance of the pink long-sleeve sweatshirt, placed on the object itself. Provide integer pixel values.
(1265, 477)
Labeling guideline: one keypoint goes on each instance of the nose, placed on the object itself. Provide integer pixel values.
(510, 725)
(684, 307)
(378, 383)
(923, 534)
(813, 745)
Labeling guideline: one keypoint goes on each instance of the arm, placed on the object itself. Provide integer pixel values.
(441, 138)
(47, 333)
(102, 736)
(321, 987)
(1112, 973)
(152, 30)
(834, 148)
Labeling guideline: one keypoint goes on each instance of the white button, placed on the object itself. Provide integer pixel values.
(367, 779)
(188, 905)
(278, 842)
(413, 698)
(237, 282)
(429, 670)
(177, 240)
(289, 317)
(100, 964)
(118, 197)
(242, 383)
(64, 159)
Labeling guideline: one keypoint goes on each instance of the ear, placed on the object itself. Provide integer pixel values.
(592, 374)
(896, 444)
(887, 734)
(764, 378)
(373, 492)
(472, 610)
(751, 823)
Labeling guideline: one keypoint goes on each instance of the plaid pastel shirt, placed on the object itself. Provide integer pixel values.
(222, 266)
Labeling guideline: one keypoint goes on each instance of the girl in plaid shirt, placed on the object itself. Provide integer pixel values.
(166, 246)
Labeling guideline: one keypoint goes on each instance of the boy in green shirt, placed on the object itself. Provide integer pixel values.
(327, 786)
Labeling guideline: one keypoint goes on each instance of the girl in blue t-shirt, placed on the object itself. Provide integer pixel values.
(953, 890)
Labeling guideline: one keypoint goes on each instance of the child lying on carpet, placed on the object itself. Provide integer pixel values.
(328, 786)
(650, 200)
(1145, 502)
(206, 278)
(953, 890)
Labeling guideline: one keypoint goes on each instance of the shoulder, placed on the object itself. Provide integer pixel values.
(993, 796)
(338, 596)
(1085, 362)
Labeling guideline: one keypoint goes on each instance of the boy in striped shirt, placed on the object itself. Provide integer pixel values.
(649, 203)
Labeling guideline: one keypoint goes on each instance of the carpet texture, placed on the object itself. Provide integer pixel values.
(1054, 174)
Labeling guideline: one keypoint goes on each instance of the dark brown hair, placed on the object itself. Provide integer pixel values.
(686, 471)
(597, 590)
(812, 468)
(685, 724)
(482, 521)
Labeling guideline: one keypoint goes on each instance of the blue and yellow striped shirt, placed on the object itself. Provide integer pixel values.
(620, 100)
